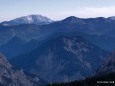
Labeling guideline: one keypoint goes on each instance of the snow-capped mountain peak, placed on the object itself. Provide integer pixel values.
(30, 19)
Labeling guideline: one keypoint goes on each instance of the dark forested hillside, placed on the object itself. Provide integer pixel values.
(62, 59)
(103, 80)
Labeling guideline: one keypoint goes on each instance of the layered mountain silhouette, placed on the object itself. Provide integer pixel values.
(61, 51)
(102, 28)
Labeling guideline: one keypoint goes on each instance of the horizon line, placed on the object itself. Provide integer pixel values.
(56, 19)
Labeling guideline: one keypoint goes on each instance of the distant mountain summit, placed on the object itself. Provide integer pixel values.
(112, 18)
(30, 19)
(72, 20)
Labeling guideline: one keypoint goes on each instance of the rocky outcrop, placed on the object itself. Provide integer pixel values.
(108, 65)
(13, 77)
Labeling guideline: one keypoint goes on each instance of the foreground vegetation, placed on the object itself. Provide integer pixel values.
(103, 80)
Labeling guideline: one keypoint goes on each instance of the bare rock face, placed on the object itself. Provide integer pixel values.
(108, 65)
(4, 62)
(12, 77)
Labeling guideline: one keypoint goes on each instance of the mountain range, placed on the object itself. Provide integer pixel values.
(62, 59)
(58, 51)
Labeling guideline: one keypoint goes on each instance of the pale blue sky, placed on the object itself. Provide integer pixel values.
(56, 9)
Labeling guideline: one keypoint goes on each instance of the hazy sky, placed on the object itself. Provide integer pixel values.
(56, 9)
